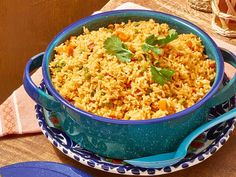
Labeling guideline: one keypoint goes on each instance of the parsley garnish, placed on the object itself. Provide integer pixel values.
(154, 40)
(151, 40)
(114, 46)
(161, 76)
(147, 47)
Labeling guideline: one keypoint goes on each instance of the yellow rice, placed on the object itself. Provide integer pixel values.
(97, 82)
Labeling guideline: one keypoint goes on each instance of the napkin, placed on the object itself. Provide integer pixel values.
(17, 114)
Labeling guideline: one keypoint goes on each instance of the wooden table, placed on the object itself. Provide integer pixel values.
(36, 147)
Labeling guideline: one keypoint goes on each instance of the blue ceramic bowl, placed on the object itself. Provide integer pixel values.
(124, 139)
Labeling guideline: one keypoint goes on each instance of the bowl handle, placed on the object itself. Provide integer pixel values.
(229, 90)
(33, 91)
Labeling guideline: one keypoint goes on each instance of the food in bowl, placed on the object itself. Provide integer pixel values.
(128, 139)
(132, 71)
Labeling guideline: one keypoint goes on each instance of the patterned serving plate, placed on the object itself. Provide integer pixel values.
(202, 148)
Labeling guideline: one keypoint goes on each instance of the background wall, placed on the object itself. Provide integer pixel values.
(27, 26)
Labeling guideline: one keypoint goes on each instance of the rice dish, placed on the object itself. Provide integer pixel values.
(132, 71)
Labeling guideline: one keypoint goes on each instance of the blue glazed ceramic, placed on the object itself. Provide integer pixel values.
(128, 139)
(201, 149)
(41, 169)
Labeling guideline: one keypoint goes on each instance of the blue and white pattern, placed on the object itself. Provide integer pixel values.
(213, 140)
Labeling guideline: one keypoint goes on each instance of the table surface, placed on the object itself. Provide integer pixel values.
(35, 147)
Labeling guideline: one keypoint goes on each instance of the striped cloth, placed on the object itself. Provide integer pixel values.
(17, 114)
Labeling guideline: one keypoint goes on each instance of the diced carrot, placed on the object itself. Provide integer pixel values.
(171, 109)
(189, 44)
(212, 65)
(70, 50)
(122, 36)
(162, 104)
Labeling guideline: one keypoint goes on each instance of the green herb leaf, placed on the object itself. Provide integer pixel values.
(156, 76)
(167, 73)
(146, 47)
(154, 40)
(114, 46)
(124, 46)
(171, 36)
(123, 56)
(151, 39)
(161, 76)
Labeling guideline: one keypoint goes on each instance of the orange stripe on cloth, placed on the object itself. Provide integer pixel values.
(8, 117)
(27, 115)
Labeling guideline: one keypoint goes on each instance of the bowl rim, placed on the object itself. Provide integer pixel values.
(66, 104)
